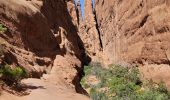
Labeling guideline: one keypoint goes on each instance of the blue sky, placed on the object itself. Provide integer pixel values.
(82, 6)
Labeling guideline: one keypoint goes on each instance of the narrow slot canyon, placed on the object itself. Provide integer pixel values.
(84, 49)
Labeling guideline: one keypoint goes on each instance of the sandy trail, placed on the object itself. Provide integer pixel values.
(51, 86)
(44, 90)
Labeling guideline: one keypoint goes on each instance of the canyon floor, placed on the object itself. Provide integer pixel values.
(44, 90)
(51, 86)
(49, 36)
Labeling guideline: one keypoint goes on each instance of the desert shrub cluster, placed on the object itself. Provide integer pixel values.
(121, 83)
(12, 76)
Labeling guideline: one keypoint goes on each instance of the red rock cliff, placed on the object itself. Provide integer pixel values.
(133, 31)
(42, 37)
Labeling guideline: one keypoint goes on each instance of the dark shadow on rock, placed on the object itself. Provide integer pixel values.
(58, 16)
(77, 79)
(53, 11)
(36, 35)
(33, 87)
(9, 58)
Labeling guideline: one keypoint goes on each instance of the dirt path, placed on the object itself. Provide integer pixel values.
(52, 86)
(44, 90)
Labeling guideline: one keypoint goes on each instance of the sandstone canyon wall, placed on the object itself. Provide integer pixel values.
(42, 37)
(130, 31)
(49, 36)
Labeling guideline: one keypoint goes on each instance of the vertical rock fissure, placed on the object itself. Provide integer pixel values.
(77, 12)
(97, 28)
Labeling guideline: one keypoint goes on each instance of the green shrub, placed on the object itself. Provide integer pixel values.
(2, 28)
(151, 95)
(134, 75)
(95, 95)
(119, 71)
(12, 76)
(162, 88)
(122, 83)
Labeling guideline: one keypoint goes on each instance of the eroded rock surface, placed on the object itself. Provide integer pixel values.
(38, 31)
(89, 33)
(131, 32)
(50, 36)
(42, 37)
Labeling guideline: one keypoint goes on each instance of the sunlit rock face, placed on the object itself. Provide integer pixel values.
(41, 32)
(50, 35)
(129, 31)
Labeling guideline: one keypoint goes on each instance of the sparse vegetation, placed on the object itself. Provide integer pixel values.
(2, 28)
(121, 83)
(12, 76)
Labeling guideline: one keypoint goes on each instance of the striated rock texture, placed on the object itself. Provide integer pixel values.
(49, 36)
(130, 32)
(88, 32)
(133, 31)
(42, 37)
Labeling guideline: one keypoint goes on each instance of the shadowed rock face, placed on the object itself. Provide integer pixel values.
(49, 35)
(38, 31)
(133, 31)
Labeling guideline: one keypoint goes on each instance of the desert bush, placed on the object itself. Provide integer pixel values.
(2, 28)
(12, 76)
(122, 83)
(95, 95)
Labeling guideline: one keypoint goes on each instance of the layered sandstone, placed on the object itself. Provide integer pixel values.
(131, 31)
(42, 37)
(49, 36)
(89, 34)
